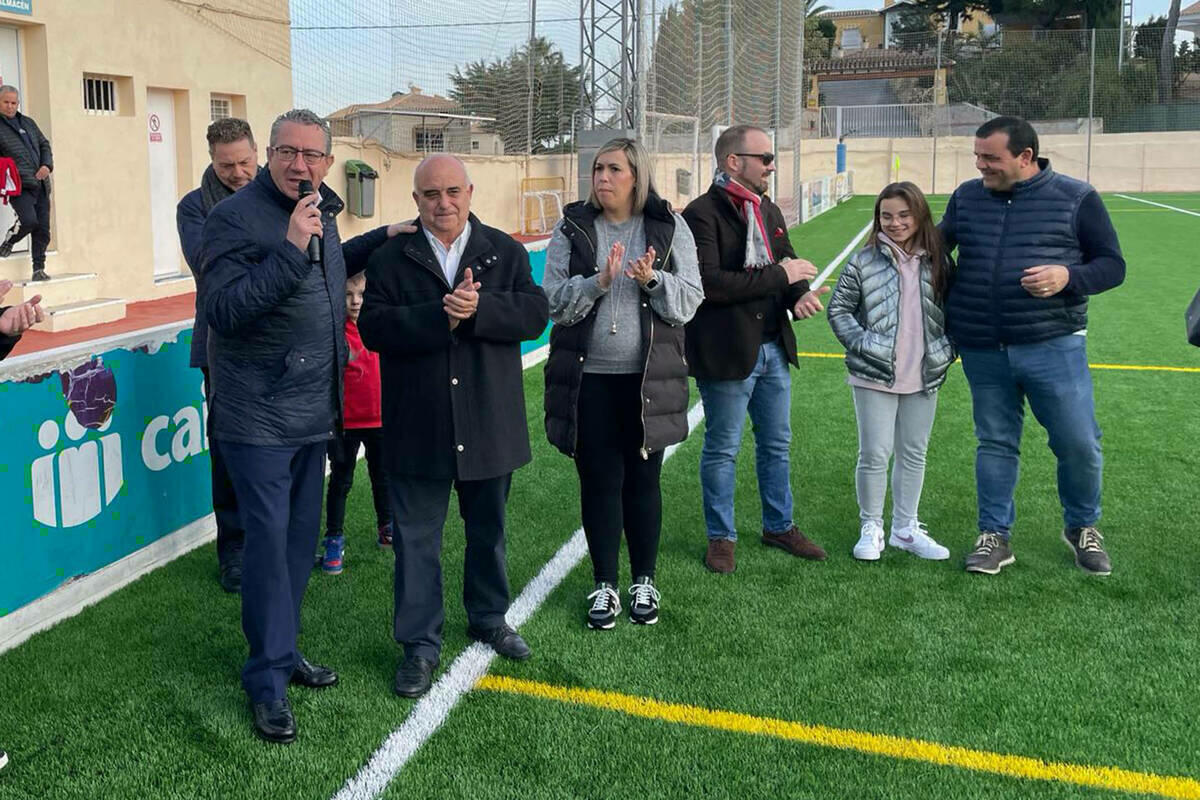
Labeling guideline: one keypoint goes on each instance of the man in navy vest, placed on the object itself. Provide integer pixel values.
(1032, 246)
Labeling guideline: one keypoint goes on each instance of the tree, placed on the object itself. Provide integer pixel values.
(951, 10)
(1042, 14)
(1148, 37)
(692, 60)
(499, 89)
(1166, 59)
(913, 29)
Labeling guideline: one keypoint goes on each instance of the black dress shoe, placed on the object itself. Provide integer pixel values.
(314, 676)
(503, 639)
(230, 574)
(274, 722)
(414, 677)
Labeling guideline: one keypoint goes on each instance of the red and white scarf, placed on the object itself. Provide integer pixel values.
(758, 246)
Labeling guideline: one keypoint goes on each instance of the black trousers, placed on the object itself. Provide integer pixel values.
(420, 507)
(32, 207)
(343, 458)
(231, 538)
(279, 496)
(618, 488)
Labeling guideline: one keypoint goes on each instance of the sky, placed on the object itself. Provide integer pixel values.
(360, 51)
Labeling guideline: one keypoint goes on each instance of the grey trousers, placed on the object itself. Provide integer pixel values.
(888, 423)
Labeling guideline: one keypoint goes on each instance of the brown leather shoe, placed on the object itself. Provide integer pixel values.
(719, 557)
(796, 543)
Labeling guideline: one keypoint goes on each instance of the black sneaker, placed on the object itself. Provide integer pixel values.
(643, 608)
(606, 605)
(6, 248)
(1087, 544)
(40, 275)
(991, 554)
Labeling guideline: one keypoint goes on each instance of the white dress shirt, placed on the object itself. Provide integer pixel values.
(449, 257)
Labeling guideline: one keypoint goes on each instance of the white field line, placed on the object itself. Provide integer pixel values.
(472, 664)
(1160, 205)
(839, 258)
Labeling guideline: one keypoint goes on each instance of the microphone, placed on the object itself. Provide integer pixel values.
(314, 244)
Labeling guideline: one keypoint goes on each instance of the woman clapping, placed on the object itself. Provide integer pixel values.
(622, 279)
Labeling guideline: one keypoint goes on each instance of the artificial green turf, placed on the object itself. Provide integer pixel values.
(138, 696)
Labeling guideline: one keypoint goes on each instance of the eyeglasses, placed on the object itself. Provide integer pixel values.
(288, 154)
(766, 158)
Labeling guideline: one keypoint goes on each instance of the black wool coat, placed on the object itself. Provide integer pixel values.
(724, 337)
(453, 401)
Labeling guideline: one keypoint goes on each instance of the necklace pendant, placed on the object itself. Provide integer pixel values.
(613, 329)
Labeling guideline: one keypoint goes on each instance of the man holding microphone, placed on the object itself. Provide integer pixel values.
(274, 275)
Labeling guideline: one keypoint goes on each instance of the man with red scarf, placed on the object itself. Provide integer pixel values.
(740, 342)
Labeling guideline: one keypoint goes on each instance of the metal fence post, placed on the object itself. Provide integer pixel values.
(729, 62)
(936, 105)
(798, 118)
(1091, 108)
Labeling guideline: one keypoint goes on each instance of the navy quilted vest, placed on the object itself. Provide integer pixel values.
(999, 235)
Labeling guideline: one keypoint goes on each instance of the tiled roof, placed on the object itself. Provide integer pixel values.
(855, 12)
(403, 101)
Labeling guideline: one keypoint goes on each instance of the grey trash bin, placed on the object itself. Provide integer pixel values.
(360, 188)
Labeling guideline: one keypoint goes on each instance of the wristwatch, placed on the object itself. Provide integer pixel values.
(651, 284)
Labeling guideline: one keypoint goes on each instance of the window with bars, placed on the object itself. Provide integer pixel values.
(428, 140)
(219, 107)
(99, 94)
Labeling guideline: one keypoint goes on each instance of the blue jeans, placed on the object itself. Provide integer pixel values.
(766, 394)
(1054, 376)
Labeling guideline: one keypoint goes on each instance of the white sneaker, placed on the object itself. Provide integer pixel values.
(870, 542)
(916, 540)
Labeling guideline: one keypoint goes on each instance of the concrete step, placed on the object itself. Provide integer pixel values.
(83, 313)
(69, 287)
(19, 266)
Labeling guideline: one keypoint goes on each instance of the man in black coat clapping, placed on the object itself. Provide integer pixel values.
(447, 308)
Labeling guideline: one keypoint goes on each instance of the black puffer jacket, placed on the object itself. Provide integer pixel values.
(664, 371)
(13, 147)
(276, 346)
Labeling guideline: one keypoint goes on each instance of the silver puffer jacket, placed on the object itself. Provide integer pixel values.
(864, 312)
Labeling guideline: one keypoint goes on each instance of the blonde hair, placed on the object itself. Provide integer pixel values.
(639, 165)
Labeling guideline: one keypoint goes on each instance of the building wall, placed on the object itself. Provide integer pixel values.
(1138, 162)
(870, 27)
(101, 197)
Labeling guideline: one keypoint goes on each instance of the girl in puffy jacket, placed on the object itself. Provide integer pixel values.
(886, 310)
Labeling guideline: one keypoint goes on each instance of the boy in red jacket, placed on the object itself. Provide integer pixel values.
(363, 427)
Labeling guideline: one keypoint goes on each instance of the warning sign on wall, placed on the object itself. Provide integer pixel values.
(155, 126)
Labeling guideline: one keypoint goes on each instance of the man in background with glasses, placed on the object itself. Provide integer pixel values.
(740, 342)
(274, 273)
(234, 163)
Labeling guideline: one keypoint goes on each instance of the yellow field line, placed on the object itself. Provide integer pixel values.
(1140, 368)
(1128, 367)
(1112, 778)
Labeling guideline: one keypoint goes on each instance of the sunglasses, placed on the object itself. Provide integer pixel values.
(766, 158)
